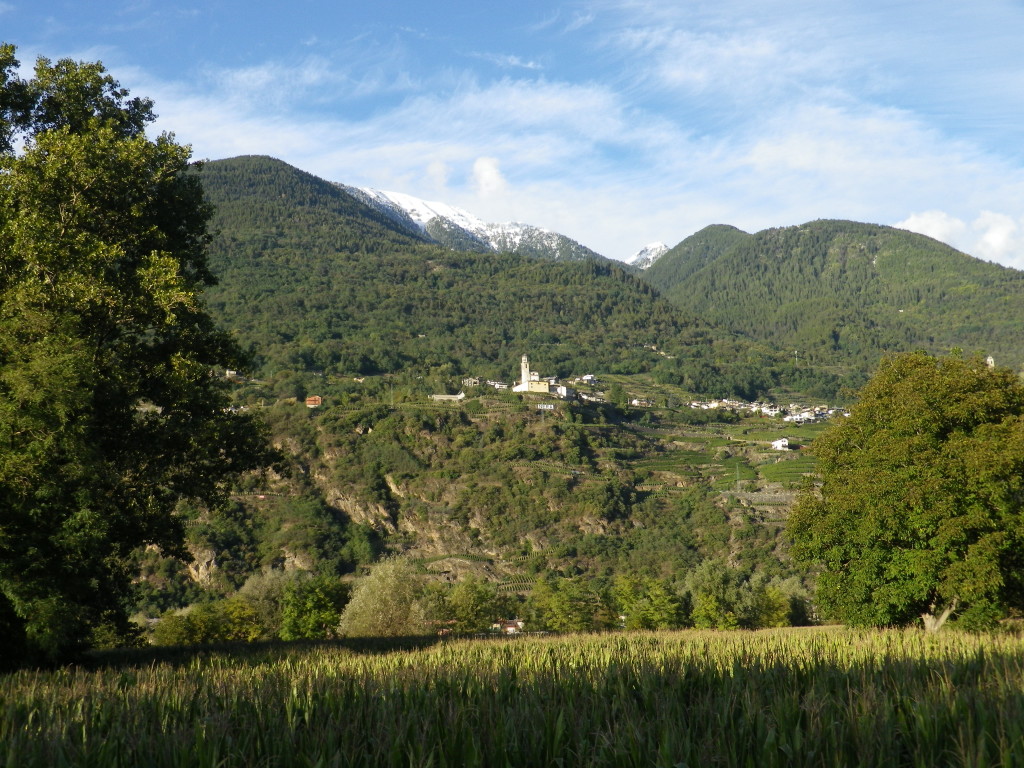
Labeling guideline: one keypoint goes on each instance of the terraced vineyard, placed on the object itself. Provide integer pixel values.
(732, 458)
(789, 472)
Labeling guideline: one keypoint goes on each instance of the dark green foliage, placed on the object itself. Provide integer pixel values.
(231, 620)
(312, 608)
(919, 511)
(163, 584)
(567, 605)
(473, 606)
(694, 253)
(726, 597)
(647, 603)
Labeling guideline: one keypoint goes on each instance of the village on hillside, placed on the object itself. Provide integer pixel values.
(532, 382)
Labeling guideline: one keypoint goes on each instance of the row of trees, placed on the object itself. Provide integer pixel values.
(396, 599)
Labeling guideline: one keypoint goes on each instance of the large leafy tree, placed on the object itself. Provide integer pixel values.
(920, 511)
(109, 415)
(389, 602)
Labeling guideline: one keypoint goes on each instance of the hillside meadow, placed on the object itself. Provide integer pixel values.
(794, 697)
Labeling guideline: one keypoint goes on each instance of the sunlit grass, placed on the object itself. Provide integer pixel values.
(786, 698)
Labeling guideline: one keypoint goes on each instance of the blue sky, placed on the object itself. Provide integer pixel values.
(616, 122)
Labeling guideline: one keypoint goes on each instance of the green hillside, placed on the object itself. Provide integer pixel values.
(337, 303)
(693, 254)
(495, 488)
(315, 280)
(271, 204)
(840, 291)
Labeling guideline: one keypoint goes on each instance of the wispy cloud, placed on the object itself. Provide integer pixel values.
(290, 87)
(549, 153)
(508, 61)
(579, 21)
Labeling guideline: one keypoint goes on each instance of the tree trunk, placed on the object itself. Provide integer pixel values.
(933, 623)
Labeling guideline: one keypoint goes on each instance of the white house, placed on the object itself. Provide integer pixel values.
(449, 398)
(782, 444)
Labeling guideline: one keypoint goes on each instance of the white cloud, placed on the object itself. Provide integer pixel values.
(749, 64)
(579, 21)
(938, 225)
(558, 145)
(997, 237)
(619, 161)
(286, 86)
(487, 178)
(438, 173)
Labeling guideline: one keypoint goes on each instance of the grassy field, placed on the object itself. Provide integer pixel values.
(798, 697)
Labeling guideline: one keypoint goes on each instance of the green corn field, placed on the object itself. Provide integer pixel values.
(794, 697)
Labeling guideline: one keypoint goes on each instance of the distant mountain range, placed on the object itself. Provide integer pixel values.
(314, 277)
(458, 228)
(837, 290)
(372, 281)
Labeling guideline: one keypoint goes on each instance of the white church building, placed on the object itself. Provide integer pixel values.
(530, 381)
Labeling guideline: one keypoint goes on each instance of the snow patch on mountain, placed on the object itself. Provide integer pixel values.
(422, 211)
(647, 255)
(456, 227)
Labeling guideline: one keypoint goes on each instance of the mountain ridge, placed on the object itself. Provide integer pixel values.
(457, 228)
(842, 290)
(834, 293)
(315, 279)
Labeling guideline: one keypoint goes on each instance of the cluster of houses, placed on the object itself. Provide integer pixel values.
(508, 626)
(793, 413)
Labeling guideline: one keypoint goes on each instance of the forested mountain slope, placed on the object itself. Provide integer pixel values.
(341, 302)
(693, 254)
(840, 291)
(270, 202)
(312, 279)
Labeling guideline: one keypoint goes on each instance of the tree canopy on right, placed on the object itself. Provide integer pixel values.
(920, 511)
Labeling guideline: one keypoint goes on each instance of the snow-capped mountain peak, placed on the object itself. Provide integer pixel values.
(647, 255)
(422, 211)
(458, 228)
